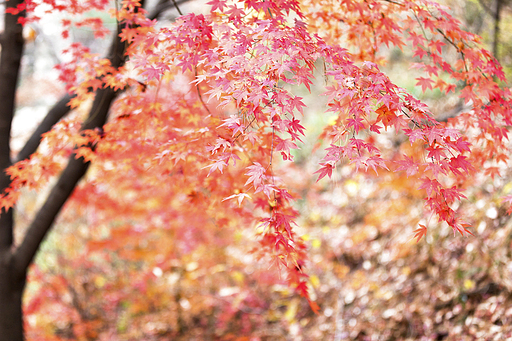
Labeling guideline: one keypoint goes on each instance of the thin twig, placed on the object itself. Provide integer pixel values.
(176, 5)
(199, 93)
(394, 2)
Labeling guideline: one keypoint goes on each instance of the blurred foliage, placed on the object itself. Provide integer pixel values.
(477, 17)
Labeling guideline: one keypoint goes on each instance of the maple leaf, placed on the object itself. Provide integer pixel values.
(233, 122)
(217, 165)
(285, 145)
(408, 165)
(460, 226)
(386, 116)
(375, 161)
(375, 128)
(436, 45)
(326, 169)
(508, 200)
(240, 197)
(461, 162)
(256, 175)
(252, 137)
(452, 194)
(302, 288)
(430, 185)
(217, 4)
(414, 134)
(425, 83)
(234, 12)
(296, 126)
(315, 308)
(356, 123)
(416, 38)
(359, 161)
(217, 93)
(152, 72)
(420, 52)
(419, 233)
(436, 152)
(296, 103)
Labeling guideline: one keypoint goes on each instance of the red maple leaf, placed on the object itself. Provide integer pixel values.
(419, 233)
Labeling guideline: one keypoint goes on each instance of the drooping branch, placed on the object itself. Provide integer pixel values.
(12, 51)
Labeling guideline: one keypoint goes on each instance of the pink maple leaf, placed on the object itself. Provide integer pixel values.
(425, 83)
(408, 165)
(217, 4)
(297, 104)
(325, 170)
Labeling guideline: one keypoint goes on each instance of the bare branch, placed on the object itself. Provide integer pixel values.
(176, 5)
(164, 5)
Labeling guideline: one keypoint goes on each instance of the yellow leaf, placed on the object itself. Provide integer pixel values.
(99, 282)
(291, 311)
(316, 243)
(469, 284)
(238, 276)
(314, 281)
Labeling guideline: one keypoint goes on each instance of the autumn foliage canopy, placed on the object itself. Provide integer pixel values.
(200, 144)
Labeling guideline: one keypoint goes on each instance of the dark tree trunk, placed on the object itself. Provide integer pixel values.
(12, 285)
(12, 281)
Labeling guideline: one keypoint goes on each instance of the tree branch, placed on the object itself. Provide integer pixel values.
(59, 110)
(164, 5)
(74, 171)
(67, 182)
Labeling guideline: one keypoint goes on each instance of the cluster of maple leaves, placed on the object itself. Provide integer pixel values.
(244, 55)
(208, 115)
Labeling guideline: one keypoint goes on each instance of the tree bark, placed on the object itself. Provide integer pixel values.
(12, 283)
(12, 286)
